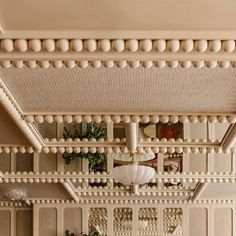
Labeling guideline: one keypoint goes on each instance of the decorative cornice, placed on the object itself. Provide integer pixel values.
(61, 177)
(15, 112)
(127, 202)
(13, 204)
(121, 64)
(137, 118)
(117, 52)
(117, 45)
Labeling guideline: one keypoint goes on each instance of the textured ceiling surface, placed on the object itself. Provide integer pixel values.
(136, 15)
(9, 131)
(122, 90)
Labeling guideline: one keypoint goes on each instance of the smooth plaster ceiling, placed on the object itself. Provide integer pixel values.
(9, 131)
(219, 191)
(122, 90)
(107, 15)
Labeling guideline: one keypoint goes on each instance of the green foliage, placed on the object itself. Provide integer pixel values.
(93, 130)
(92, 232)
(67, 233)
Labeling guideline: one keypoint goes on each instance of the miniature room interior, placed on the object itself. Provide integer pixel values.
(117, 118)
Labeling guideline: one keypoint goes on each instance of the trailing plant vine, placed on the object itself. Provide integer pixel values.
(92, 232)
(92, 130)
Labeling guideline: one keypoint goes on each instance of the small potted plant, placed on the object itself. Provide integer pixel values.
(67, 233)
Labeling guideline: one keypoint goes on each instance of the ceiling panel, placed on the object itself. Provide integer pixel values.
(122, 90)
(117, 15)
(219, 191)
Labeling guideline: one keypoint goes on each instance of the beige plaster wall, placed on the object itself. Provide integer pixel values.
(5, 222)
(16, 222)
(197, 222)
(54, 220)
(223, 222)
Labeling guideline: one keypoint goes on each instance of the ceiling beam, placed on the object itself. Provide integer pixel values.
(230, 137)
(14, 111)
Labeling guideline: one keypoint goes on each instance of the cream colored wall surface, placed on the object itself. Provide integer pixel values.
(5, 162)
(47, 131)
(47, 162)
(197, 222)
(24, 162)
(220, 130)
(5, 223)
(75, 165)
(222, 162)
(196, 130)
(24, 224)
(106, 15)
(73, 220)
(48, 222)
(197, 162)
(223, 222)
(9, 132)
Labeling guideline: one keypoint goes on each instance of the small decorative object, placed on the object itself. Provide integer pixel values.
(169, 131)
(12, 194)
(92, 232)
(92, 130)
(67, 233)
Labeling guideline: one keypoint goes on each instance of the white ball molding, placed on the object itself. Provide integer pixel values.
(128, 118)
(7, 45)
(35, 45)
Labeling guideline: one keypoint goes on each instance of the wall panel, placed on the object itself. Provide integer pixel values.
(5, 223)
(197, 222)
(24, 224)
(223, 222)
(47, 222)
(73, 220)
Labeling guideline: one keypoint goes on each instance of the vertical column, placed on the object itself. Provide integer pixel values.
(13, 222)
(187, 135)
(110, 218)
(135, 212)
(160, 166)
(210, 162)
(234, 221)
(233, 161)
(210, 221)
(85, 217)
(110, 136)
(13, 162)
(36, 157)
(59, 132)
(35, 162)
(35, 220)
(185, 221)
(210, 156)
(160, 220)
(85, 163)
(60, 220)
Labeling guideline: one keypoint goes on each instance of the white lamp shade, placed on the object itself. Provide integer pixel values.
(133, 174)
